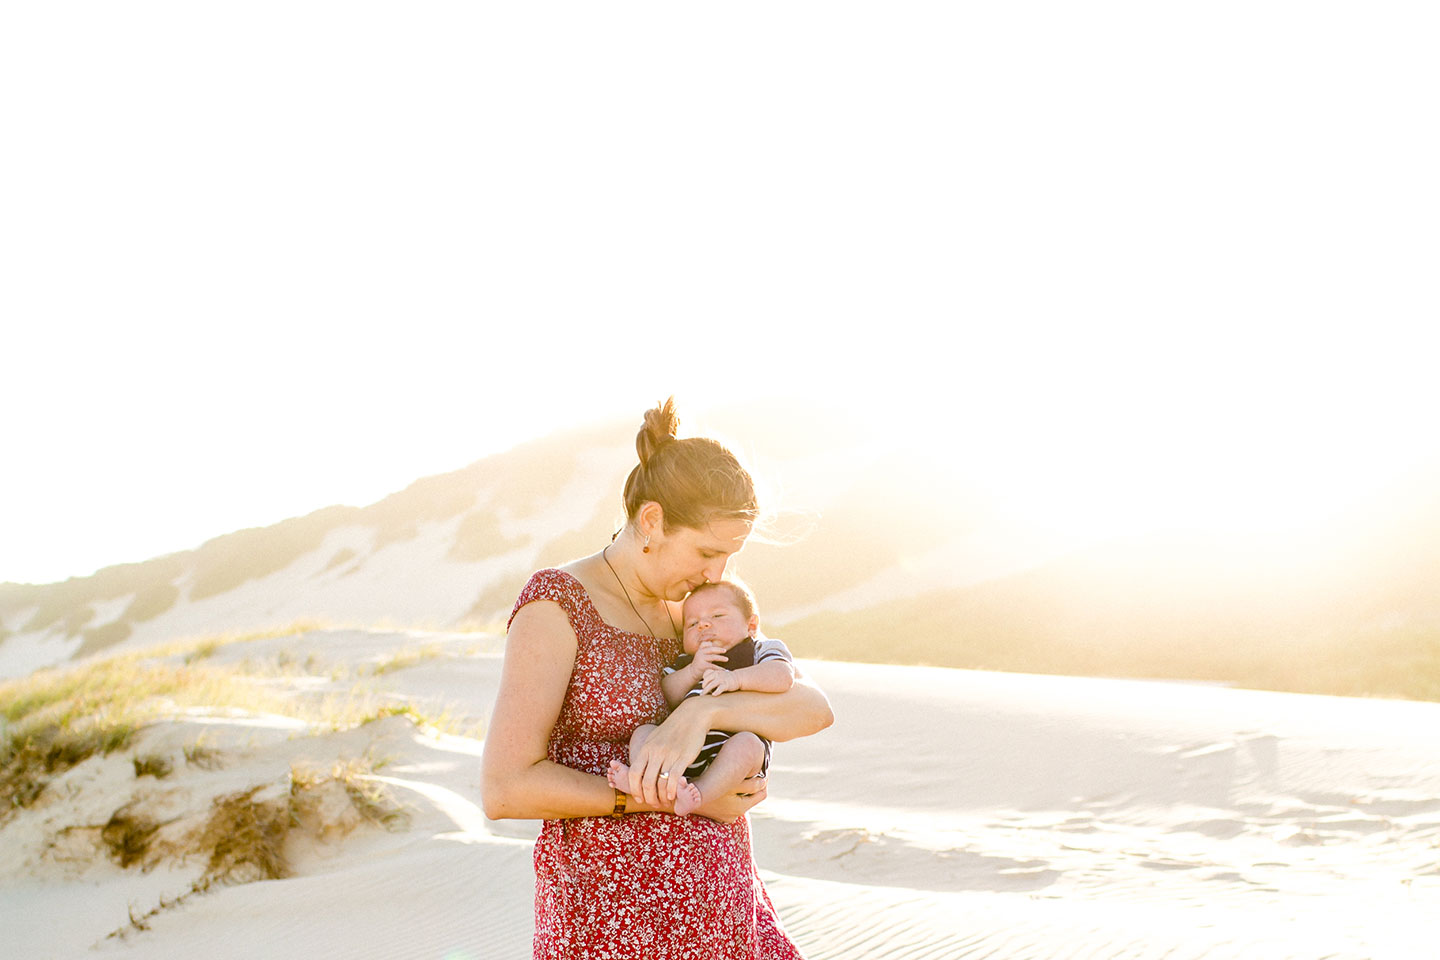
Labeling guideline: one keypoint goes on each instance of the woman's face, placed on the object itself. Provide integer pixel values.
(685, 557)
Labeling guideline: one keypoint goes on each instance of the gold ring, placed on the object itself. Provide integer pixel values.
(664, 774)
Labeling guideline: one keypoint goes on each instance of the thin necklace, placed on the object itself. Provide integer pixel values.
(604, 556)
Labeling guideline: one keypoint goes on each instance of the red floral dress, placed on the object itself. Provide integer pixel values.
(646, 886)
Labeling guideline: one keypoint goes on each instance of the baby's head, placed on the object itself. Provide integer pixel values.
(723, 611)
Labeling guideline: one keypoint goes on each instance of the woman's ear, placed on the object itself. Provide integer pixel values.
(651, 519)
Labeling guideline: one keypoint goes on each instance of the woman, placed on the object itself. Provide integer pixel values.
(616, 874)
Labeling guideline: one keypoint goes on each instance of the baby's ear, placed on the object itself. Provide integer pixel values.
(753, 623)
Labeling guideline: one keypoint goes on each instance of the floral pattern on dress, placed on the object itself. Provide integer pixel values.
(647, 886)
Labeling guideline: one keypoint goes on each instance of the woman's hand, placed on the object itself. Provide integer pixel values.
(725, 809)
(730, 807)
(669, 749)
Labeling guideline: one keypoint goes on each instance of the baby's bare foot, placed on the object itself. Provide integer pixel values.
(618, 775)
(688, 799)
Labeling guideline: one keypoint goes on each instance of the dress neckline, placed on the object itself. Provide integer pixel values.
(596, 610)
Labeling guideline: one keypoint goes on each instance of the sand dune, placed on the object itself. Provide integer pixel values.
(947, 814)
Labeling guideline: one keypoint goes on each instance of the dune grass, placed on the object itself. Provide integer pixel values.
(205, 645)
(200, 754)
(243, 836)
(155, 765)
(371, 799)
(57, 718)
(406, 658)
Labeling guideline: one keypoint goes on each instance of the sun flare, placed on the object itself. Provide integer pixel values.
(1247, 469)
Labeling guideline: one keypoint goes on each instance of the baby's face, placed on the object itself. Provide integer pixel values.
(714, 615)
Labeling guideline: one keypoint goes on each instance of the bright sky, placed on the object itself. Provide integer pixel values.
(1141, 260)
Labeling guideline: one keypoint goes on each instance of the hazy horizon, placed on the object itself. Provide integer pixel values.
(1091, 502)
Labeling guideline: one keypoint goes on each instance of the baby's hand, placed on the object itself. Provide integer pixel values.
(708, 656)
(718, 681)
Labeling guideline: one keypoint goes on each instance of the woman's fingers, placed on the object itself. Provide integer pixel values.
(655, 779)
(670, 783)
(730, 807)
(637, 775)
(669, 749)
(644, 774)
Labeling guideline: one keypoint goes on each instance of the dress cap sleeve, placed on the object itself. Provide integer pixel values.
(556, 585)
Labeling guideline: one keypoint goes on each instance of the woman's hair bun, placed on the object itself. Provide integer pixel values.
(661, 426)
(695, 481)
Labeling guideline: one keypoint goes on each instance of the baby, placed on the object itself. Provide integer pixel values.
(720, 624)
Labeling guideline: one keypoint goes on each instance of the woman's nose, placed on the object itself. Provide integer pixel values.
(716, 571)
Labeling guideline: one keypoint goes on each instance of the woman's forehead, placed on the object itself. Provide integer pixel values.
(725, 535)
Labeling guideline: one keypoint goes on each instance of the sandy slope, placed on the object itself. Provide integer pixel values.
(947, 814)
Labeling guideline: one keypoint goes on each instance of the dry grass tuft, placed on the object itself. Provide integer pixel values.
(369, 798)
(202, 650)
(127, 835)
(31, 757)
(191, 649)
(198, 754)
(245, 838)
(155, 765)
(388, 710)
(407, 658)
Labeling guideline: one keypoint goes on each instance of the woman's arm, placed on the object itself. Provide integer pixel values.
(799, 712)
(517, 778)
(518, 781)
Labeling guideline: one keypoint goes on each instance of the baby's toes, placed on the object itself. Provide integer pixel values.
(618, 775)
